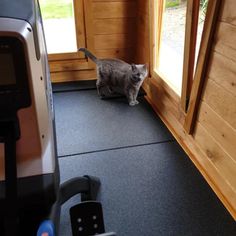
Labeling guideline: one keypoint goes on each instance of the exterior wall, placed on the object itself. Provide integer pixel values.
(212, 145)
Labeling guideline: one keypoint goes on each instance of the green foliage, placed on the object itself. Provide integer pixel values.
(203, 5)
(52, 9)
(171, 3)
(203, 2)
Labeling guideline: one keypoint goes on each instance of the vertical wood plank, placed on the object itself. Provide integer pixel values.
(189, 50)
(204, 53)
(152, 26)
(89, 28)
(79, 23)
(159, 8)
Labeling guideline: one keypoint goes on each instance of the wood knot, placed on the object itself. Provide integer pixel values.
(209, 154)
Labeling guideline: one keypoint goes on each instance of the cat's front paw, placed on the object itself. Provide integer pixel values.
(133, 103)
(136, 102)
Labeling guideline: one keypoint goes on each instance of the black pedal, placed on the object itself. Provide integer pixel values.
(87, 219)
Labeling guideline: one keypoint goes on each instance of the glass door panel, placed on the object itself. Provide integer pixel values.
(59, 25)
(171, 51)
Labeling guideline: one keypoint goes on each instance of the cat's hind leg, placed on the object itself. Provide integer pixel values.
(100, 88)
(110, 90)
(100, 84)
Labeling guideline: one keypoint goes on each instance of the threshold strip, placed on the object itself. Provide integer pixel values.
(117, 148)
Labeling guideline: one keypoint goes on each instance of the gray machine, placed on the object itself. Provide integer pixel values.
(29, 175)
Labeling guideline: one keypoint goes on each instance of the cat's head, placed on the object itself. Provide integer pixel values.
(139, 72)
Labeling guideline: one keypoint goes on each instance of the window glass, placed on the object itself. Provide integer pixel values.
(59, 25)
(171, 51)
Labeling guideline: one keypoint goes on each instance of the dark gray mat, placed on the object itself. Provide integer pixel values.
(73, 86)
(148, 191)
(85, 123)
(85, 85)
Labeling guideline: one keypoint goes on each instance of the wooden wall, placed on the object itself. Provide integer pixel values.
(215, 133)
(114, 28)
(143, 36)
(212, 147)
(112, 31)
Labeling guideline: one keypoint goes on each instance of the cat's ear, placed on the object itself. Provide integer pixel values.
(134, 68)
(145, 69)
(135, 74)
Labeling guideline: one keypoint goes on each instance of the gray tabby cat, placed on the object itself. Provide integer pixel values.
(114, 75)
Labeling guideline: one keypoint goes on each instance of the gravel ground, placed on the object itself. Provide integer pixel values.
(172, 45)
(174, 27)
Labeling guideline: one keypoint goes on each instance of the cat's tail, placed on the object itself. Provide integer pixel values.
(88, 54)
